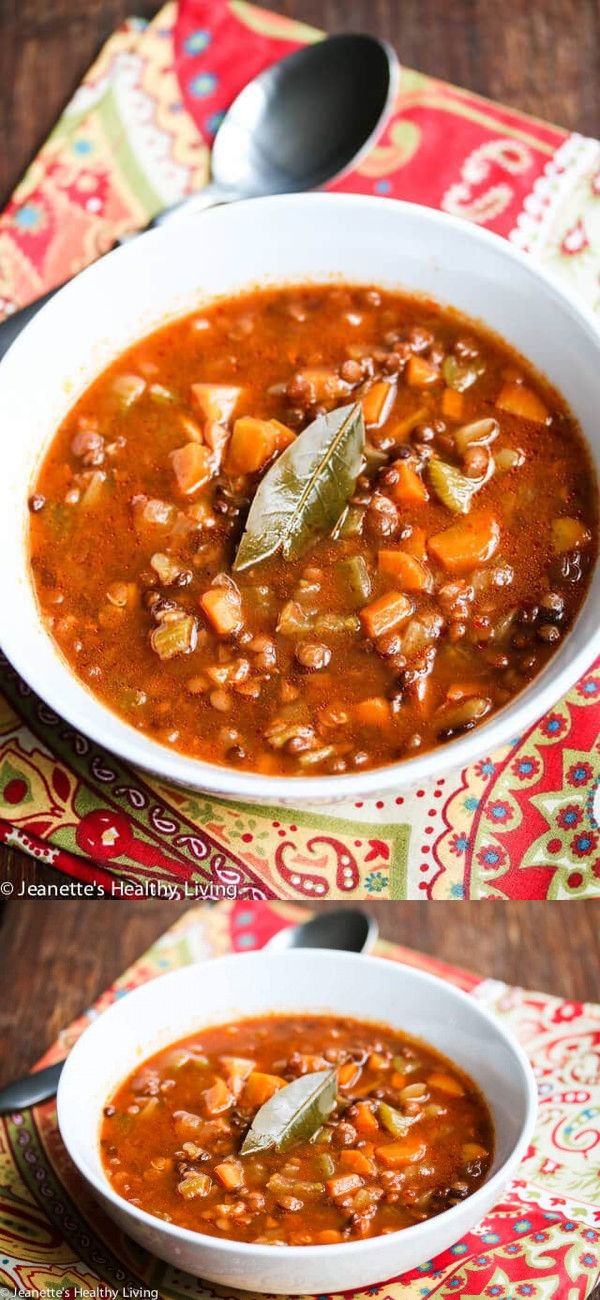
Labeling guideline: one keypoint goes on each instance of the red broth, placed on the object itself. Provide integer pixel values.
(458, 563)
(409, 1134)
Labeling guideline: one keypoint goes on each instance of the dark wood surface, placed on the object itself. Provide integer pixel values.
(542, 56)
(56, 957)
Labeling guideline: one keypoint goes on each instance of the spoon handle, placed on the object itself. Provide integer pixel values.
(30, 1090)
(209, 197)
(12, 326)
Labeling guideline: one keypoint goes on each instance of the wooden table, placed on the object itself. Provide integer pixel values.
(538, 57)
(56, 957)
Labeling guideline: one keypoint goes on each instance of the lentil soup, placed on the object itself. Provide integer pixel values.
(313, 529)
(296, 1130)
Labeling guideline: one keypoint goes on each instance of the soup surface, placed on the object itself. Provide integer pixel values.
(313, 529)
(385, 1132)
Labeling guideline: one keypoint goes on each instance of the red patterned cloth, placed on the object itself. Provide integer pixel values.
(522, 823)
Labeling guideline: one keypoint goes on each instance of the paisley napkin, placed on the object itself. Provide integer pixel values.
(541, 1242)
(522, 823)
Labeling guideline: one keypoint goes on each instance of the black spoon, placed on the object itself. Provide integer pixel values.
(347, 929)
(300, 123)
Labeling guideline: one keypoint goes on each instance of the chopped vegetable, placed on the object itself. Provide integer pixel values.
(230, 1174)
(467, 544)
(357, 1162)
(460, 375)
(176, 638)
(385, 613)
(342, 1185)
(522, 401)
(452, 404)
(223, 608)
(215, 401)
(377, 403)
(355, 579)
(260, 1087)
(194, 1185)
(218, 1098)
(408, 489)
(409, 573)
(128, 389)
(406, 1152)
(395, 1123)
(455, 490)
(568, 534)
(252, 444)
(193, 466)
(421, 373)
(446, 1083)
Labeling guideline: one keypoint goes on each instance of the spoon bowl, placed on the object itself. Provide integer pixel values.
(304, 120)
(347, 929)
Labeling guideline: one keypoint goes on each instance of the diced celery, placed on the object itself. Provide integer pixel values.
(395, 1123)
(351, 523)
(461, 374)
(177, 638)
(355, 579)
(324, 1165)
(194, 1185)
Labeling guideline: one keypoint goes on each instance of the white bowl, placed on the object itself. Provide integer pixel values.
(298, 238)
(367, 988)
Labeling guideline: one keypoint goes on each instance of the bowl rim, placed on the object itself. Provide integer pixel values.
(141, 750)
(298, 1253)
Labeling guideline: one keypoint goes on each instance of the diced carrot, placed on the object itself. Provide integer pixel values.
(343, 1184)
(348, 1074)
(398, 1080)
(406, 1152)
(230, 1174)
(466, 544)
(400, 431)
(218, 1098)
(215, 401)
(517, 399)
(420, 373)
(452, 404)
(462, 691)
(252, 445)
(377, 403)
(223, 609)
(357, 1161)
(446, 1083)
(367, 1148)
(378, 1062)
(374, 712)
(327, 1237)
(409, 488)
(193, 466)
(260, 1087)
(416, 544)
(364, 1119)
(283, 435)
(385, 613)
(409, 573)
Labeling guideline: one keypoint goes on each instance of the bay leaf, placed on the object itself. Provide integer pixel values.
(304, 493)
(293, 1114)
